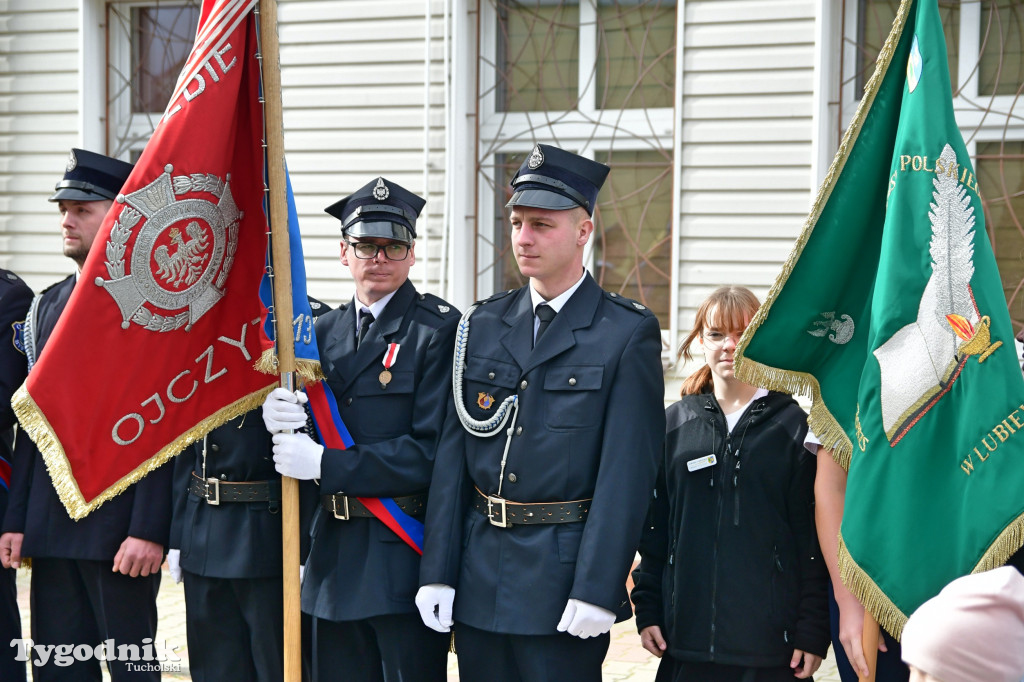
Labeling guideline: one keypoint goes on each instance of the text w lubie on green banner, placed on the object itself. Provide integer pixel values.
(890, 313)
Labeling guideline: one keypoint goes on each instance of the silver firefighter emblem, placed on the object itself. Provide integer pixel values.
(183, 250)
(536, 159)
(380, 190)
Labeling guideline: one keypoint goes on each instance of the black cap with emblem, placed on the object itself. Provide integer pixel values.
(554, 179)
(380, 208)
(91, 177)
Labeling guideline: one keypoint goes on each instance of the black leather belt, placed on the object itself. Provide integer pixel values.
(345, 507)
(503, 513)
(215, 491)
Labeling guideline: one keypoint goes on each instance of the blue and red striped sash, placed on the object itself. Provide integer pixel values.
(334, 434)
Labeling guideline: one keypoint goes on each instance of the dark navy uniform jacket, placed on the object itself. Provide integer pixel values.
(142, 511)
(15, 297)
(359, 568)
(590, 424)
(233, 539)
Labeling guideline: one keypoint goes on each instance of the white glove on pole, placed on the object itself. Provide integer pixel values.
(585, 620)
(297, 456)
(174, 564)
(282, 410)
(435, 604)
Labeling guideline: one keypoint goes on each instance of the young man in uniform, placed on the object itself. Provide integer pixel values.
(547, 462)
(97, 578)
(387, 358)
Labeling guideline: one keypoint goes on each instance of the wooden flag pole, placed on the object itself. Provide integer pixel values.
(869, 640)
(278, 208)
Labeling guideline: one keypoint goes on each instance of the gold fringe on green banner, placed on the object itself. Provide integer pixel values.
(821, 421)
(35, 424)
(1003, 547)
(309, 370)
(885, 613)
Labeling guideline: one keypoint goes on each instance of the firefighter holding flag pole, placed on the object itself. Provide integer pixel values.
(387, 358)
(890, 313)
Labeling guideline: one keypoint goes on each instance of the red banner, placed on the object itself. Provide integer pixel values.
(159, 339)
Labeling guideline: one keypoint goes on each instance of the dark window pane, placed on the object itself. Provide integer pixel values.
(538, 55)
(636, 53)
(162, 38)
(874, 23)
(1000, 167)
(633, 239)
(1001, 65)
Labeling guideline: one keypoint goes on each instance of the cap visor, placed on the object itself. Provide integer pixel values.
(72, 194)
(541, 198)
(382, 229)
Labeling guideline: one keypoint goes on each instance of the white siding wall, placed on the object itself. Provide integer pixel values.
(748, 123)
(38, 125)
(353, 78)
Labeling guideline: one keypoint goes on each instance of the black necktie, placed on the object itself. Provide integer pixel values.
(365, 320)
(545, 314)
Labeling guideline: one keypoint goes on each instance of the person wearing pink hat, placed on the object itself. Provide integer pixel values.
(972, 631)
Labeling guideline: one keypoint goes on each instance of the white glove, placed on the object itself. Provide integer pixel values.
(585, 620)
(297, 456)
(282, 410)
(435, 604)
(174, 564)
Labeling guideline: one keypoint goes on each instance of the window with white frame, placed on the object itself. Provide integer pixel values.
(595, 77)
(147, 43)
(985, 41)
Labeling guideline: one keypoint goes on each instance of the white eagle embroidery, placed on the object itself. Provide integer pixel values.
(186, 263)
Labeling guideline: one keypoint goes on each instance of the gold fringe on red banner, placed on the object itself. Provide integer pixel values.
(38, 428)
(309, 370)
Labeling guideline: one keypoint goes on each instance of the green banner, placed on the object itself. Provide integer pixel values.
(890, 314)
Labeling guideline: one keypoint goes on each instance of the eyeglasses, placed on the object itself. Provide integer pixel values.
(715, 340)
(367, 250)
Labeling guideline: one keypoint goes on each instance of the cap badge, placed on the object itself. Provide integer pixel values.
(484, 400)
(380, 190)
(72, 162)
(536, 158)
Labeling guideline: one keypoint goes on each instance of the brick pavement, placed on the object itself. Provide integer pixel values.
(626, 662)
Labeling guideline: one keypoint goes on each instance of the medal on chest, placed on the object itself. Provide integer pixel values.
(389, 359)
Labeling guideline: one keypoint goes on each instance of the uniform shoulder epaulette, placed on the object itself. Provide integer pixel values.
(8, 278)
(496, 296)
(629, 303)
(436, 305)
(317, 307)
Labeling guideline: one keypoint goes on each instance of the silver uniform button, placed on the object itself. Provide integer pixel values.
(490, 375)
(519, 430)
(523, 384)
(572, 381)
(511, 478)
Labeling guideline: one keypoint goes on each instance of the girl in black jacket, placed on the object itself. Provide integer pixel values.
(731, 584)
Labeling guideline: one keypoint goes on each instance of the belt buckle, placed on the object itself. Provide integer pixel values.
(214, 484)
(334, 507)
(499, 502)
